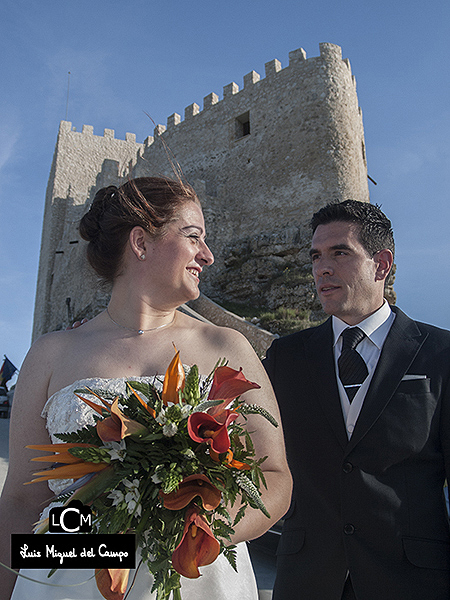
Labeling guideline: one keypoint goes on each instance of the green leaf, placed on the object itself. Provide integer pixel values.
(254, 409)
(230, 554)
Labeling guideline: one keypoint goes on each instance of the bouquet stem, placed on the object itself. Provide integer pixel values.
(176, 594)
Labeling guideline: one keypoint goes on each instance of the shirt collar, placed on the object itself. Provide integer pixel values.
(372, 326)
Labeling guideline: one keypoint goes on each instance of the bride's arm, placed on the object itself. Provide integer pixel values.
(20, 505)
(267, 439)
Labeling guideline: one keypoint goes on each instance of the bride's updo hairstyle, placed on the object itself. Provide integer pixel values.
(148, 202)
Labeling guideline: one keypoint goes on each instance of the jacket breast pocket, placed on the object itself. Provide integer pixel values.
(428, 554)
(414, 386)
(291, 541)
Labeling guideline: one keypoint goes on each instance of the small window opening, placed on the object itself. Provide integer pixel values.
(243, 125)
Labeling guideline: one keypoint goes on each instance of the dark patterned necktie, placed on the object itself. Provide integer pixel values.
(351, 365)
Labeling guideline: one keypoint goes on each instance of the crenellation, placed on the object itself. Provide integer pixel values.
(272, 67)
(330, 51)
(210, 100)
(296, 56)
(251, 78)
(159, 130)
(88, 130)
(173, 120)
(65, 127)
(108, 133)
(230, 90)
(130, 137)
(148, 141)
(191, 110)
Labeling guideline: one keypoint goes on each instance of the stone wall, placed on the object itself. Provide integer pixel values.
(262, 159)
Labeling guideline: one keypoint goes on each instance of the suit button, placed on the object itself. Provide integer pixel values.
(349, 529)
(347, 467)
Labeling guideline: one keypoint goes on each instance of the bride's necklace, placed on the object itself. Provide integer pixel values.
(141, 331)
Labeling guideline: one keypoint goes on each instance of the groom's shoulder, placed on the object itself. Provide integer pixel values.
(298, 338)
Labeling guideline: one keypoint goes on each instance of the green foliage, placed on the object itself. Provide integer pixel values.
(284, 320)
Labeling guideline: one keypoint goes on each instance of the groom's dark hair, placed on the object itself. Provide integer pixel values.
(375, 229)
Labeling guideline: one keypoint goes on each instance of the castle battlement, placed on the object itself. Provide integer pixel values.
(262, 159)
(330, 53)
(297, 58)
(65, 127)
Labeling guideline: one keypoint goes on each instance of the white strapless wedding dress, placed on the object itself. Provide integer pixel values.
(65, 412)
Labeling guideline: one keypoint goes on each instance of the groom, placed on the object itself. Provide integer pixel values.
(366, 415)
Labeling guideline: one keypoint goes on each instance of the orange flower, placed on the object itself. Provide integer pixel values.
(73, 467)
(198, 546)
(227, 385)
(189, 488)
(229, 460)
(118, 426)
(173, 381)
(112, 583)
(202, 427)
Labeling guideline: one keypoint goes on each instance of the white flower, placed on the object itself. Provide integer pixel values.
(170, 429)
(186, 411)
(156, 479)
(161, 418)
(132, 497)
(116, 496)
(116, 450)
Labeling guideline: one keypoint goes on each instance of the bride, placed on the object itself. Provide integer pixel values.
(147, 237)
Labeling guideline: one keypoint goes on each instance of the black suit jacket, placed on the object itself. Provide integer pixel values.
(372, 506)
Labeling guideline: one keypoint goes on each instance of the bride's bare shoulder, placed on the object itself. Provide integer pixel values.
(223, 342)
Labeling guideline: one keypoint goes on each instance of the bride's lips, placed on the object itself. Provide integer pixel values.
(195, 272)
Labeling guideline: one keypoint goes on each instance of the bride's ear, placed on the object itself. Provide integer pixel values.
(138, 242)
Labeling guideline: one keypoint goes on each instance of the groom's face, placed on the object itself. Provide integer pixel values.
(344, 273)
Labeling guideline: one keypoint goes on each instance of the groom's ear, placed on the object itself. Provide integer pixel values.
(384, 260)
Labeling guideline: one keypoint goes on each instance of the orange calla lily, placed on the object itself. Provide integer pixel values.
(174, 380)
(198, 546)
(112, 583)
(189, 488)
(227, 385)
(229, 460)
(118, 426)
(202, 427)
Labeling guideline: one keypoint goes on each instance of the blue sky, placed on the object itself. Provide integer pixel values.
(159, 56)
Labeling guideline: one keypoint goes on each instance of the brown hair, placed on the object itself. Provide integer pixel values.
(148, 202)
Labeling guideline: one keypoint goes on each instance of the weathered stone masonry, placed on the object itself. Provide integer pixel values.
(262, 159)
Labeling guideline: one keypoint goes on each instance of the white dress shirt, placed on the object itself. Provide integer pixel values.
(376, 327)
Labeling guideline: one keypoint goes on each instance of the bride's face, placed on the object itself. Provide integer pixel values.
(176, 260)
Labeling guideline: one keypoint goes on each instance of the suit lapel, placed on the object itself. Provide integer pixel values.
(320, 360)
(400, 348)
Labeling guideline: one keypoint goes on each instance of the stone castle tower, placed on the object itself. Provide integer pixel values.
(262, 160)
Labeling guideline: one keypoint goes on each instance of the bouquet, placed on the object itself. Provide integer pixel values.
(166, 466)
